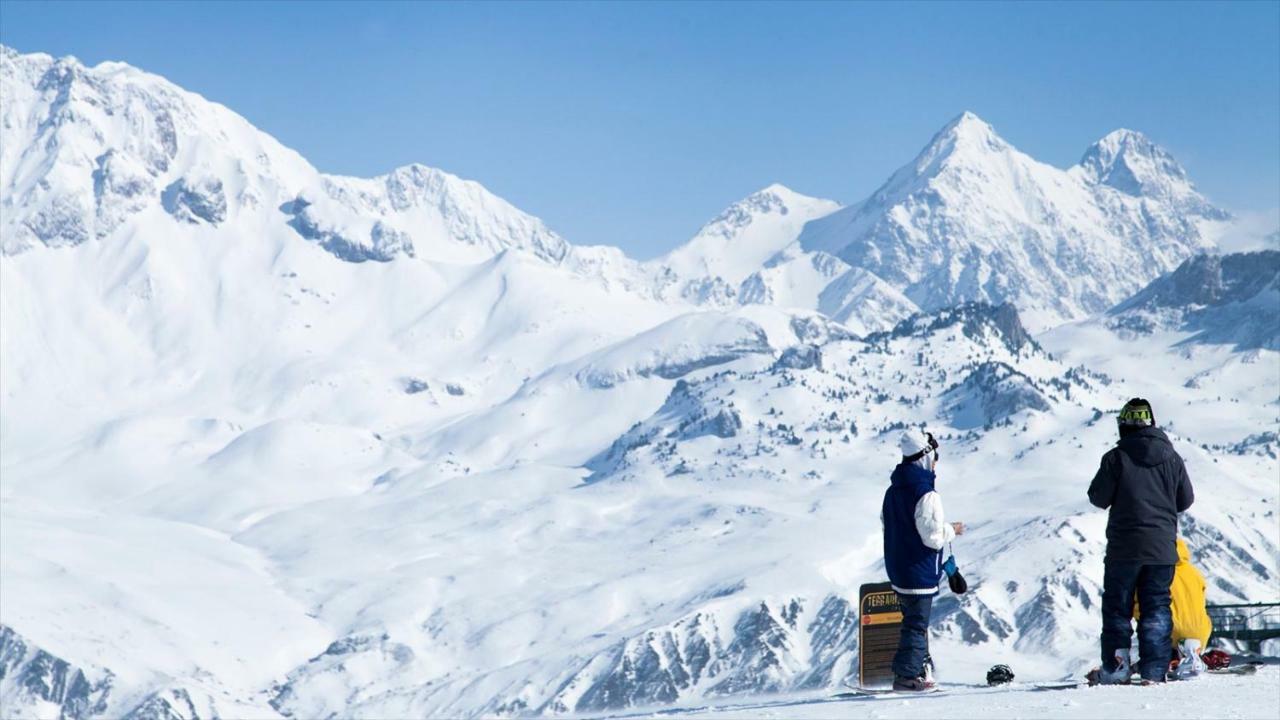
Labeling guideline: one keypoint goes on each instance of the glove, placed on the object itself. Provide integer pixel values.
(954, 579)
(949, 567)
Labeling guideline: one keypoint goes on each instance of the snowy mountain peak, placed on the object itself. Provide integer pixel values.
(1129, 161)
(969, 126)
(973, 218)
(90, 152)
(777, 190)
(967, 135)
(775, 199)
(747, 234)
(964, 150)
(1133, 164)
(416, 198)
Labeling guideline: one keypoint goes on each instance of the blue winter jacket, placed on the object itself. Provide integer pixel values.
(914, 568)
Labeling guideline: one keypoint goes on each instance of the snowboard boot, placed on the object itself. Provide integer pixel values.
(916, 684)
(1119, 676)
(1189, 663)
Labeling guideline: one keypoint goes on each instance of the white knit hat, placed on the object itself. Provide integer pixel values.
(912, 441)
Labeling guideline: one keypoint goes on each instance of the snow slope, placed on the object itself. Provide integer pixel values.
(276, 443)
(1220, 697)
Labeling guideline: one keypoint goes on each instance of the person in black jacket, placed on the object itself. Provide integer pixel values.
(1145, 485)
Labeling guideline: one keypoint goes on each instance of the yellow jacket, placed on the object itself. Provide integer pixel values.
(1190, 620)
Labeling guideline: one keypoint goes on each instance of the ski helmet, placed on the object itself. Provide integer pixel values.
(1136, 413)
(999, 675)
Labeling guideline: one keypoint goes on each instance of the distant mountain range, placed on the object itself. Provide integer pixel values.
(970, 218)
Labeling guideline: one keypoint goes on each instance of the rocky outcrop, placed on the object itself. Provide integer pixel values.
(30, 676)
(379, 242)
(1222, 299)
(766, 647)
(991, 393)
(799, 357)
(196, 201)
(975, 320)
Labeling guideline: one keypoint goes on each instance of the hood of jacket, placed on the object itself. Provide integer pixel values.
(912, 474)
(1147, 447)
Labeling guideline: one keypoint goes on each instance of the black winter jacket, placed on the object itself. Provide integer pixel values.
(1145, 484)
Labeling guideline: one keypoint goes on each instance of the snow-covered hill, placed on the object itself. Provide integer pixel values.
(277, 443)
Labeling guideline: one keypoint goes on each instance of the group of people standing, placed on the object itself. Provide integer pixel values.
(1141, 482)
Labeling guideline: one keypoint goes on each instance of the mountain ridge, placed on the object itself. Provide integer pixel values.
(973, 218)
(195, 152)
(969, 218)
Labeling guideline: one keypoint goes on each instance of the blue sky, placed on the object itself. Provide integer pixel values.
(632, 124)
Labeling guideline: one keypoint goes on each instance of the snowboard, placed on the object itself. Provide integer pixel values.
(861, 693)
(1066, 685)
(1248, 669)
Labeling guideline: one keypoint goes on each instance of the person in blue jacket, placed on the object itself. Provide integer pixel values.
(915, 532)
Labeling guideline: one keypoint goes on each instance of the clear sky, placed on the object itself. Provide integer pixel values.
(632, 124)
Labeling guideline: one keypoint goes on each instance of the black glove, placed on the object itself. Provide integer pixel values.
(954, 578)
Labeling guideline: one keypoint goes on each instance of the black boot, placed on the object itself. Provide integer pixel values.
(917, 684)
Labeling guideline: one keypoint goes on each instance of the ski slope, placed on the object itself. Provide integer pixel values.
(1226, 697)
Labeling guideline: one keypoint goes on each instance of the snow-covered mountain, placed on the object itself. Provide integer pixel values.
(1129, 162)
(89, 149)
(973, 218)
(747, 235)
(278, 443)
(750, 255)
(970, 219)
(1221, 298)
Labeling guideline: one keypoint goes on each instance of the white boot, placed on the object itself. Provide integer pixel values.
(1122, 673)
(1189, 663)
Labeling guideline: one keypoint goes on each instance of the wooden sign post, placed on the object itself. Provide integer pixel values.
(879, 625)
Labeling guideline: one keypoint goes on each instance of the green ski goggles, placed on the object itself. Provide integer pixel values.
(1136, 415)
